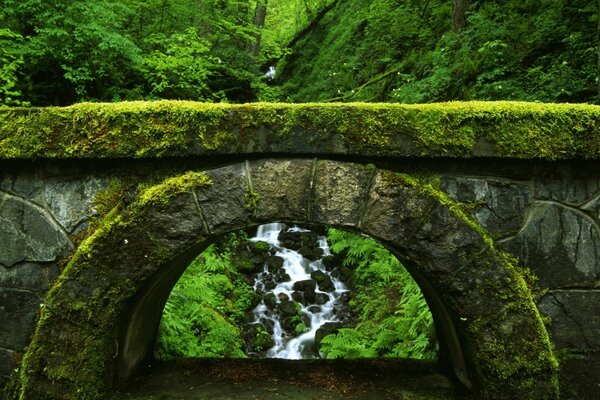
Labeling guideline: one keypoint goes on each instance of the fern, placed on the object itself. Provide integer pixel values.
(393, 319)
(201, 314)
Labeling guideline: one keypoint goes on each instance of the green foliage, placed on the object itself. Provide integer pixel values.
(387, 50)
(201, 315)
(10, 63)
(393, 319)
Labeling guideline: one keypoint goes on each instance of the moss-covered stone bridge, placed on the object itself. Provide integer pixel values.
(493, 207)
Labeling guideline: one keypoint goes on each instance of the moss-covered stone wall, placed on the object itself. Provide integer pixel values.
(100, 316)
(171, 128)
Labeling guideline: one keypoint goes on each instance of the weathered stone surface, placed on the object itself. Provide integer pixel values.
(29, 276)
(419, 224)
(180, 222)
(283, 187)
(579, 376)
(575, 318)
(499, 206)
(340, 192)
(7, 363)
(26, 234)
(18, 314)
(223, 202)
(70, 201)
(566, 185)
(560, 245)
(593, 206)
(25, 184)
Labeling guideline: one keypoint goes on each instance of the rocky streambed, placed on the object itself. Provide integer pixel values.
(302, 294)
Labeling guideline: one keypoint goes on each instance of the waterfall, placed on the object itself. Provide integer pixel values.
(298, 297)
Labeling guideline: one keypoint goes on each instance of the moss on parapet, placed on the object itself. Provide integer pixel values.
(177, 128)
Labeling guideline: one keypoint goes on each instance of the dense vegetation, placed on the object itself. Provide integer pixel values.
(414, 51)
(62, 52)
(205, 312)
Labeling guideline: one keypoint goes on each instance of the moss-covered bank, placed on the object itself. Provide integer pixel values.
(172, 128)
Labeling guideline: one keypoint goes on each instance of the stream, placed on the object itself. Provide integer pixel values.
(301, 300)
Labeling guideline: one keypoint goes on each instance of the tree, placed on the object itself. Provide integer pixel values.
(260, 14)
(459, 14)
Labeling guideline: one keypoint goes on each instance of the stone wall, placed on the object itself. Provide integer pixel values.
(546, 214)
(549, 219)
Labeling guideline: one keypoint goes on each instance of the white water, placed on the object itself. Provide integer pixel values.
(299, 269)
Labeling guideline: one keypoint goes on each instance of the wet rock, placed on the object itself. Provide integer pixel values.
(326, 329)
(283, 297)
(298, 297)
(323, 281)
(257, 338)
(274, 263)
(314, 309)
(294, 240)
(270, 300)
(331, 261)
(307, 287)
(282, 276)
(288, 307)
(321, 298)
(307, 284)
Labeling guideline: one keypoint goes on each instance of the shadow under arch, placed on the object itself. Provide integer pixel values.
(100, 318)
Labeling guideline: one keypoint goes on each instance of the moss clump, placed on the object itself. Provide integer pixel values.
(163, 192)
(177, 128)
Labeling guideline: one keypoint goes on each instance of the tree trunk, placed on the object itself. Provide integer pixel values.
(260, 14)
(459, 14)
(598, 42)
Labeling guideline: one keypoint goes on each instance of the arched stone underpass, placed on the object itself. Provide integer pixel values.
(100, 318)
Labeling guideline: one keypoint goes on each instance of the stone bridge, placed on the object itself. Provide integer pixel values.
(493, 207)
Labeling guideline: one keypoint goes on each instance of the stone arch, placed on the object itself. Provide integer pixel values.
(99, 320)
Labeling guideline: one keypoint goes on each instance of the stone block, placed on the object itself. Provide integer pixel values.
(567, 184)
(18, 315)
(499, 206)
(179, 222)
(340, 192)
(71, 201)
(223, 202)
(579, 377)
(561, 245)
(35, 277)
(27, 234)
(284, 187)
(575, 318)
(7, 364)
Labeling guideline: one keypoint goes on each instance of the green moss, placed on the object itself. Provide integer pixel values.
(163, 192)
(177, 128)
(252, 199)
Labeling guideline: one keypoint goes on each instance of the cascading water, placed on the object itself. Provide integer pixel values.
(299, 296)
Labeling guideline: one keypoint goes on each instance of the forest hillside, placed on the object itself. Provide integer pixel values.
(409, 51)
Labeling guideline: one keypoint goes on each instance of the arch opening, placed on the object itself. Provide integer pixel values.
(289, 292)
(106, 300)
